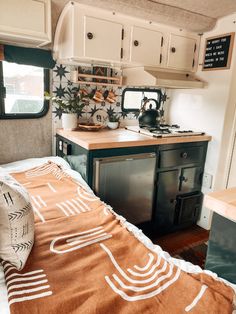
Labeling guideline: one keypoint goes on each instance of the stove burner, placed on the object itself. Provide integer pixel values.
(161, 131)
(185, 131)
(173, 126)
(162, 128)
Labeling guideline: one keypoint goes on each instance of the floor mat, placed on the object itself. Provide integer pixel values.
(195, 254)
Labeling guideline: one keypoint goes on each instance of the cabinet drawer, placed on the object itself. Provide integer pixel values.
(182, 156)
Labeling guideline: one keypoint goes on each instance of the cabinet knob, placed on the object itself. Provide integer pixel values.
(173, 49)
(173, 201)
(136, 43)
(90, 35)
(185, 179)
(184, 155)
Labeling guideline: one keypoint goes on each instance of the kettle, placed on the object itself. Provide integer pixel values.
(149, 117)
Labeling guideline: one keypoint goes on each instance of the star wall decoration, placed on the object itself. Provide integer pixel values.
(93, 110)
(111, 111)
(81, 113)
(60, 91)
(136, 114)
(58, 112)
(123, 114)
(63, 87)
(61, 71)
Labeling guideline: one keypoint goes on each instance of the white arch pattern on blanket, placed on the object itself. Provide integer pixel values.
(151, 258)
(171, 275)
(84, 238)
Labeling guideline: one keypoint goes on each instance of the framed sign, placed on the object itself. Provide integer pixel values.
(218, 52)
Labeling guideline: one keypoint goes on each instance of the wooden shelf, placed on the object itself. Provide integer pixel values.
(117, 80)
(98, 83)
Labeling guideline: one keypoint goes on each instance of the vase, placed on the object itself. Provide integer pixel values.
(113, 125)
(69, 121)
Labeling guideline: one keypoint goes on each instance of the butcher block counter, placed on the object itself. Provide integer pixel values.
(221, 254)
(222, 202)
(122, 138)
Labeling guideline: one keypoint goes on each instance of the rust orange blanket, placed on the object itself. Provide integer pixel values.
(84, 260)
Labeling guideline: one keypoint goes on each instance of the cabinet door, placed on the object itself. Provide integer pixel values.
(25, 21)
(181, 54)
(146, 46)
(190, 179)
(167, 189)
(102, 39)
(188, 208)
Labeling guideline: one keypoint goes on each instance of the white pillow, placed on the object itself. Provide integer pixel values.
(16, 222)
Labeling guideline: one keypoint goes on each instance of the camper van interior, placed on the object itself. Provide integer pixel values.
(118, 156)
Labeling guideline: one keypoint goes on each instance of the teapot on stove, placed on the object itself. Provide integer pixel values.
(149, 117)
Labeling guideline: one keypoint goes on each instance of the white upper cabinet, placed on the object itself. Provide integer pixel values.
(146, 46)
(25, 22)
(182, 52)
(102, 39)
(91, 35)
(88, 34)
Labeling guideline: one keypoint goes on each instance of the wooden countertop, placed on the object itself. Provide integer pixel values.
(222, 202)
(122, 138)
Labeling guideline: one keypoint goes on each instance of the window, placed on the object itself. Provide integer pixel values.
(22, 91)
(132, 98)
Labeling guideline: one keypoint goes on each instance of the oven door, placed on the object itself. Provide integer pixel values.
(188, 208)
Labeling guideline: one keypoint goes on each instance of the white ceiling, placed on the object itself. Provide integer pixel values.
(193, 15)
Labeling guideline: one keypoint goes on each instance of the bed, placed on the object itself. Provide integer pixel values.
(104, 263)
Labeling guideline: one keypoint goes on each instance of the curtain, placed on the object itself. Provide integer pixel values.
(28, 56)
(1, 53)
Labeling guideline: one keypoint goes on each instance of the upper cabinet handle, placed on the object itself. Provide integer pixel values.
(173, 49)
(136, 43)
(90, 35)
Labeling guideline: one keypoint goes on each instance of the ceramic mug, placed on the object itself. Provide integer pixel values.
(111, 97)
(98, 96)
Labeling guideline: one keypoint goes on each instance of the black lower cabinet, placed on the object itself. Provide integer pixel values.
(122, 176)
(178, 188)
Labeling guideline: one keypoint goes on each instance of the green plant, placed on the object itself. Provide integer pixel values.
(114, 117)
(73, 101)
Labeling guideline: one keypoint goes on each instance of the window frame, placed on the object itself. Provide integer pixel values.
(4, 116)
(141, 89)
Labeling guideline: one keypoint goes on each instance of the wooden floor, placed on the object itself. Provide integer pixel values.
(177, 241)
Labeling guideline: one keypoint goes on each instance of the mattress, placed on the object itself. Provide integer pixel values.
(30, 163)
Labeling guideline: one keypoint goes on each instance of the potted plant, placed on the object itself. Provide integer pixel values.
(70, 107)
(113, 122)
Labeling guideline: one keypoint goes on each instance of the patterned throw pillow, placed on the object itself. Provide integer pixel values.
(16, 222)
